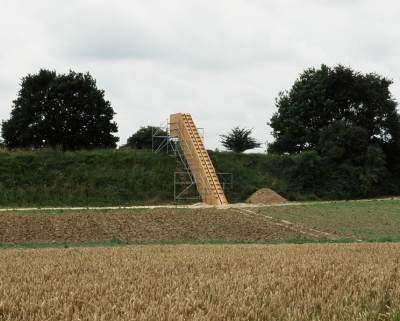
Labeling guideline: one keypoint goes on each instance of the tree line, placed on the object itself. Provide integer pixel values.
(340, 132)
(335, 129)
(69, 111)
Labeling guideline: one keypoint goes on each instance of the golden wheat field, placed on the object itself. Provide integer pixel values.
(202, 282)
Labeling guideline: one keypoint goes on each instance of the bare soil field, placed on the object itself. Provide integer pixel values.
(158, 224)
(197, 222)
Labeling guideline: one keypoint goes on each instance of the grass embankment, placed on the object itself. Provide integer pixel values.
(120, 177)
(302, 178)
(127, 177)
(252, 172)
(85, 178)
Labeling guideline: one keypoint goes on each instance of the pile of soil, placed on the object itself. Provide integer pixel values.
(266, 196)
(151, 225)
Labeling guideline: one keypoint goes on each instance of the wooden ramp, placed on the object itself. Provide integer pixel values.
(208, 185)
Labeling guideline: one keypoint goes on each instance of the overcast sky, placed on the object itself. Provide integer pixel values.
(224, 62)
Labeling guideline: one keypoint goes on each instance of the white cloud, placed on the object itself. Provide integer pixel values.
(222, 61)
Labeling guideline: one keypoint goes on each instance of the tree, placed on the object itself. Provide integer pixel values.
(347, 146)
(66, 110)
(143, 138)
(347, 123)
(319, 98)
(239, 140)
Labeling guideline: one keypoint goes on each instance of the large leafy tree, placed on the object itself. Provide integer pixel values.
(238, 140)
(66, 110)
(341, 129)
(320, 98)
(149, 137)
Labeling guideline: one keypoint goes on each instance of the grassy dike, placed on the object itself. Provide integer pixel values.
(124, 177)
(112, 177)
(85, 178)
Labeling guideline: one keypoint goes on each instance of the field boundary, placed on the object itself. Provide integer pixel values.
(294, 226)
(190, 206)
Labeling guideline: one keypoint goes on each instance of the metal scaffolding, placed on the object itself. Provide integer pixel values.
(185, 185)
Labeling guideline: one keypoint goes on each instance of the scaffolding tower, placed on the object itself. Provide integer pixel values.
(198, 178)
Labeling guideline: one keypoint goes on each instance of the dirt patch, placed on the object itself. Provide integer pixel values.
(266, 196)
(203, 224)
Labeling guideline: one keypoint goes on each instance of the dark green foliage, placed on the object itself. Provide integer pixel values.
(65, 110)
(251, 172)
(85, 178)
(143, 138)
(238, 140)
(127, 177)
(321, 97)
(306, 176)
(348, 122)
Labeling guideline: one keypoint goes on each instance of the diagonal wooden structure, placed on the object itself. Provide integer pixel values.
(208, 185)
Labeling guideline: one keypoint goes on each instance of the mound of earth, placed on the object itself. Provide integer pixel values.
(266, 195)
(159, 224)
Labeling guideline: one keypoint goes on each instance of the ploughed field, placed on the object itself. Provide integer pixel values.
(202, 282)
(160, 224)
